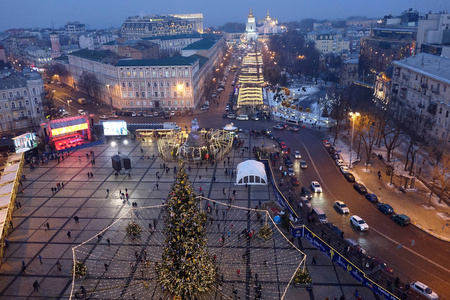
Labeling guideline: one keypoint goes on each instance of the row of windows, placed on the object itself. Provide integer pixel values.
(126, 94)
(19, 104)
(8, 117)
(155, 84)
(160, 73)
(18, 94)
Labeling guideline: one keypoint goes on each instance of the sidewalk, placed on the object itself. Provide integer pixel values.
(434, 219)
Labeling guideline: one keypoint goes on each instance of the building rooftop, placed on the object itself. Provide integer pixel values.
(93, 55)
(9, 79)
(201, 60)
(202, 44)
(430, 65)
(171, 61)
(352, 61)
(175, 36)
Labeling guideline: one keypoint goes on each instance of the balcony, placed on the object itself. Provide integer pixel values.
(435, 91)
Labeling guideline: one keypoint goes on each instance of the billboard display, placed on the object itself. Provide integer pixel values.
(69, 129)
(25, 142)
(113, 128)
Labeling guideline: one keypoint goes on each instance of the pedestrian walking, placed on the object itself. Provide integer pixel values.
(107, 191)
(36, 286)
(23, 263)
(224, 191)
(68, 233)
(108, 241)
(238, 272)
(77, 220)
(89, 175)
(92, 175)
(157, 186)
(58, 265)
(106, 267)
(379, 175)
(48, 226)
(99, 237)
(314, 260)
(126, 190)
(40, 259)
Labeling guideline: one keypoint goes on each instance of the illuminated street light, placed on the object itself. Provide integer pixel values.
(68, 105)
(113, 144)
(353, 115)
(125, 142)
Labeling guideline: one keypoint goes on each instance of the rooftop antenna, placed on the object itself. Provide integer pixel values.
(53, 25)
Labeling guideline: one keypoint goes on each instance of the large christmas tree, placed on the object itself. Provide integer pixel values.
(186, 268)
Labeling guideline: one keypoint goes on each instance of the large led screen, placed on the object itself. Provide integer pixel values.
(112, 128)
(25, 142)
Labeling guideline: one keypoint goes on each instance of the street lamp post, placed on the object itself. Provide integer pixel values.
(353, 116)
(68, 105)
(110, 98)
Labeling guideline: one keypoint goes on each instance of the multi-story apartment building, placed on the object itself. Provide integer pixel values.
(37, 56)
(328, 41)
(74, 28)
(349, 72)
(421, 88)
(95, 41)
(138, 27)
(20, 100)
(172, 44)
(433, 34)
(173, 83)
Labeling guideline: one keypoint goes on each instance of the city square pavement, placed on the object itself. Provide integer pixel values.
(40, 248)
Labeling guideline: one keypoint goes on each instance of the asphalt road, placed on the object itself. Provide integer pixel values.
(428, 260)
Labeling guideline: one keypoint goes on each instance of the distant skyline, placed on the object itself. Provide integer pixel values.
(99, 14)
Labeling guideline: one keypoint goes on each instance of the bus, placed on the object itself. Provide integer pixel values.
(293, 122)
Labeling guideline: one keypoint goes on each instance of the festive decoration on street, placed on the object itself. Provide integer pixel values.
(302, 276)
(133, 229)
(186, 269)
(79, 269)
(265, 231)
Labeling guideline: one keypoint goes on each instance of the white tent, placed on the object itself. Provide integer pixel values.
(251, 172)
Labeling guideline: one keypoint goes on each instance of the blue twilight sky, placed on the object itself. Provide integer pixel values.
(99, 14)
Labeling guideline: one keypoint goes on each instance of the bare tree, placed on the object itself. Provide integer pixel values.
(366, 126)
(89, 84)
(392, 138)
(441, 172)
(339, 109)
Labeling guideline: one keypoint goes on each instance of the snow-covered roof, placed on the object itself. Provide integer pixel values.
(433, 66)
(250, 168)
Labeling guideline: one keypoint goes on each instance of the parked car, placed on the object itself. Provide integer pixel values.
(113, 116)
(350, 177)
(385, 208)
(335, 229)
(278, 127)
(306, 202)
(231, 116)
(316, 187)
(283, 145)
(371, 197)
(297, 154)
(294, 181)
(293, 128)
(165, 117)
(227, 108)
(326, 144)
(242, 117)
(378, 261)
(103, 117)
(360, 188)
(344, 169)
(339, 162)
(331, 150)
(402, 220)
(204, 107)
(305, 192)
(255, 118)
(359, 223)
(270, 136)
(288, 163)
(424, 290)
(290, 172)
(336, 156)
(303, 164)
(341, 207)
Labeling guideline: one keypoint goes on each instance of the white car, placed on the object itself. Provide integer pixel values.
(424, 290)
(298, 155)
(81, 112)
(358, 222)
(103, 117)
(344, 169)
(242, 117)
(339, 162)
(341, 207)
(172, 113)
(316, 187)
